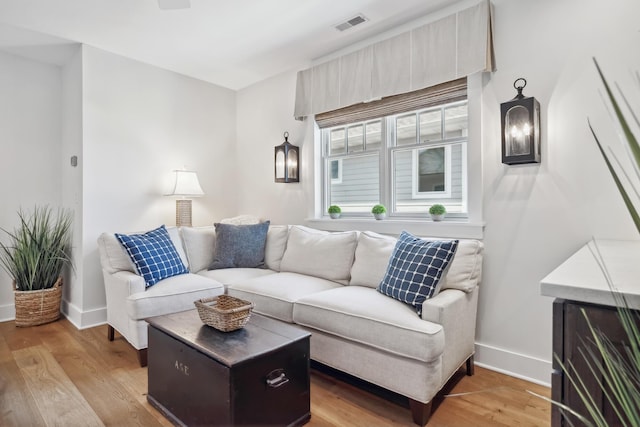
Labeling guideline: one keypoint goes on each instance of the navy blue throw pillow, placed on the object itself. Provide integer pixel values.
(153, 254)
(415, 268)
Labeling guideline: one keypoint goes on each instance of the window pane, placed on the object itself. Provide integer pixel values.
(337, 143)
(374, 135)
(423, 177)
(335, 169)
(355, 139)
(358, 190)
(456, 122)
(431, 170)
(431, 126)
(406, 130)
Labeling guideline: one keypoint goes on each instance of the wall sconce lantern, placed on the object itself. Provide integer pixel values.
(287, 159)
(520, 128)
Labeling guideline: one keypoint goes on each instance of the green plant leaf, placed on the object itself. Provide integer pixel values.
(631, 139)
(38, 248)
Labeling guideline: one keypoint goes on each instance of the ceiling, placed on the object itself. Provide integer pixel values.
(232, 43)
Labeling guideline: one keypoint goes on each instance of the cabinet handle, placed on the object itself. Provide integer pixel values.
(277, 378)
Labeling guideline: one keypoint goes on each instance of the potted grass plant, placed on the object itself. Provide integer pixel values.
(34, 256)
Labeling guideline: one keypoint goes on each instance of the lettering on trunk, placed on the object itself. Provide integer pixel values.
(182, 367)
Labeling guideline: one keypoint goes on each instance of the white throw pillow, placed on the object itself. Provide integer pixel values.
(241, 220)
(465, 268)
(372, 257)
(199, 244)
(320, 253)
(115, 258)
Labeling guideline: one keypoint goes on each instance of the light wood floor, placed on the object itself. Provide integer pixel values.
(56, 375)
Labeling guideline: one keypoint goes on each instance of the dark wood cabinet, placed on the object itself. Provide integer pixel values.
(571, 337)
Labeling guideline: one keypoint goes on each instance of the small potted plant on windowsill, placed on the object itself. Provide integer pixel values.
(379, 211)
(334, 211)
(437, 212)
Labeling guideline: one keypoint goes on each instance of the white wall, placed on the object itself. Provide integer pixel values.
(30, 146)
(536, 215)
(139, 123)
(72, 176)
(265, 112)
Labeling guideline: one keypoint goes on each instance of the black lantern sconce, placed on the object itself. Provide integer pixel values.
(520, 128)
(287, 161)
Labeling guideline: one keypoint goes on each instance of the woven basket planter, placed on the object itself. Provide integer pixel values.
(38, 307)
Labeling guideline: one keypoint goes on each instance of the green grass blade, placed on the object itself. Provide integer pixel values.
(631, 139)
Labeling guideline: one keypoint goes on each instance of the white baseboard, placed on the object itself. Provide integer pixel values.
(83, 319)
(513, 364)
(79, 319)
(7, 312)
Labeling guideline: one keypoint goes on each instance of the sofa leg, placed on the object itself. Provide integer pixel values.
(420, 411)
(110, 332)
(142, 357)
(470, 366)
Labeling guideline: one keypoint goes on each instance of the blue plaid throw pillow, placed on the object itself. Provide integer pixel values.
(153, 254)
(415, 268)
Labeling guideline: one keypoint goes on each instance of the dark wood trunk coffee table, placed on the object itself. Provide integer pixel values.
(257, 375)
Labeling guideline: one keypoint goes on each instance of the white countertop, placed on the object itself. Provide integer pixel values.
(581, 277)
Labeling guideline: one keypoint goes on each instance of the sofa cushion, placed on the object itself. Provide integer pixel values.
(154, 255)
(320, 253)
(363, 315)
(465, 268)
(199, 244)
(415, 269)
(228, 276)
(114, 257)
(240, 245)
(171, 296)
(276, 244)
(275, 294)
(371, 259)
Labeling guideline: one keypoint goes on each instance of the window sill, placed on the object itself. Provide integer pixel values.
(450, 228)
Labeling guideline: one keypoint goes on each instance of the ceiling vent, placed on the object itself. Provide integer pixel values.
(356, 20)
(174, 4)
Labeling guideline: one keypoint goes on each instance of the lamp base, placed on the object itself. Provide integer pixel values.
(183, 213)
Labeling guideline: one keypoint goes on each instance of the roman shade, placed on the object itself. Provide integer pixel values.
(445, 50)
(455, 90)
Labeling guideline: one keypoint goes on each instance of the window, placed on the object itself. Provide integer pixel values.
(406, 161)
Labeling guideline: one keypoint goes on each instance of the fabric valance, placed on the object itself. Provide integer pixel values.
(441, 51)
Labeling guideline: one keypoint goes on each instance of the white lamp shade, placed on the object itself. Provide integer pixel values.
(186, 184)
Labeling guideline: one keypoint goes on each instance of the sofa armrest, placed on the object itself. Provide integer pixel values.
(118, 287)
(124, 283)
(456, 311)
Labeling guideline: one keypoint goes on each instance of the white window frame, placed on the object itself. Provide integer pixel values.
(471, 227)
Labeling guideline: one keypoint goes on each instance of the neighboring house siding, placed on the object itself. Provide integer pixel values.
(403, 179)
(360, 182)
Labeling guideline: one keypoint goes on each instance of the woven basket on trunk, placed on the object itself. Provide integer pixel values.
(224, 313)
(38, 307)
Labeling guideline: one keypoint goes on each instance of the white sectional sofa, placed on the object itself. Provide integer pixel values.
(325, 283)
